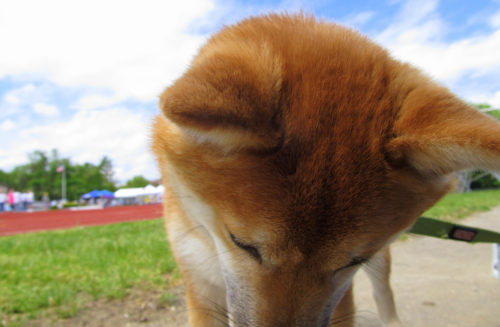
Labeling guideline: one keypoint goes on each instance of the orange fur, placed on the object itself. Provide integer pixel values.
(290, 150)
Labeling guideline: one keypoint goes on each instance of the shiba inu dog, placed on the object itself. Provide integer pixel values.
(293, 152)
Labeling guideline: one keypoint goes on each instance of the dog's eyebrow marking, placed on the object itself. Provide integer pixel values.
(250, 249)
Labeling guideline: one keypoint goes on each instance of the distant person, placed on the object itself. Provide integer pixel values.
(46, 201)
(3, 199)
(23, 201)
(17, 201)
(11, 199)
(30, 198)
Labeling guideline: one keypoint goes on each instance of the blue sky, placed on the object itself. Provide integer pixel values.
(84, 76)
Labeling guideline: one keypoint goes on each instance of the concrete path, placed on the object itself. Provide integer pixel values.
(440, 282)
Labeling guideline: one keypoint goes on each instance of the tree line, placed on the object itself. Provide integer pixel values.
(42, 174)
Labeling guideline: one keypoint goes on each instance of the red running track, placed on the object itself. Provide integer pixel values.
(24, 222)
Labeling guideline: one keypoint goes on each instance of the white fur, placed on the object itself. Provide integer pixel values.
(446, 158)
(378, 270)
(197, 246)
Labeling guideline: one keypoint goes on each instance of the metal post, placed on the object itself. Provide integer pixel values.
(63, 184)
(496, 260)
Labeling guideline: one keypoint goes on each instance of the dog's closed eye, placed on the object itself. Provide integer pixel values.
(356, 261)
(250, 249)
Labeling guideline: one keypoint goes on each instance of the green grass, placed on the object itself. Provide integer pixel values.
(60, 270)
(460, 205)
(456, 206)
(168, 299)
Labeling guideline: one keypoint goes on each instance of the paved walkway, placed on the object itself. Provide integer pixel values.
(440, 282)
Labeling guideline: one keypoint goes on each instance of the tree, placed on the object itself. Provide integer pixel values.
(4, 178)
(37, 174)
(106, 170)
(19, 177)
(137, 181)
(40, 175)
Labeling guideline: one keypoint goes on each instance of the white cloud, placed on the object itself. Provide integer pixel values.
(417, 37)
(491, 99)
(7, 125)
(495, 20)
(119, 133)
(46, 109)
(358, 19)
(448, 62)
(27, 94)
(17, 95)
(93, 101)
(494, 100)
(12, 99)
(417, 21)
(134, 48)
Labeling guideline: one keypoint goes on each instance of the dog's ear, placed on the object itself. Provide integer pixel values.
(229, 98)
(437, 133)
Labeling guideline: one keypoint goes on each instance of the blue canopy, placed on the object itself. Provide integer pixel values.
(98, 194)
(91, 195)
(107, 194)
(94, 194)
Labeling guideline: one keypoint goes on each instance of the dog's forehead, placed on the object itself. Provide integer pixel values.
(319, 202)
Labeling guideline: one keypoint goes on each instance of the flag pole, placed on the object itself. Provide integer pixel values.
(63, 183)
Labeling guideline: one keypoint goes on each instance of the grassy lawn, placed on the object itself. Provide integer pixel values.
(58, 270)
(460, 205)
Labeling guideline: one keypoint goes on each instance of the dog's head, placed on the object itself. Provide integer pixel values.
(311, 149)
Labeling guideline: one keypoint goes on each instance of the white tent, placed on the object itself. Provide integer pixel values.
(160, 189)
(149, 189)
(140, 195)
(124, 193)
